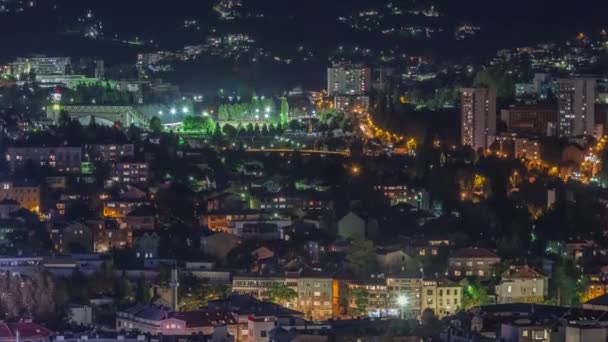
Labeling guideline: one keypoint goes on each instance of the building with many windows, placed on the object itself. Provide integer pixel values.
(478, 117)
(472, 262)
(26, 193)
(40, 66)
(521, 284)
(63, 158)
(348, 79)
(442, 296)
(576, 106)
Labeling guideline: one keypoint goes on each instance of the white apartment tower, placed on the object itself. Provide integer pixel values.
(576, 106)
(478, 121)
(348, 79)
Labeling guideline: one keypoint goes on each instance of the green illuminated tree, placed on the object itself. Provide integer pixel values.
(281, 294)
(284, 114)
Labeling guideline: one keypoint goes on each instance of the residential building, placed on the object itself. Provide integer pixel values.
(404, 295)
(530, 149)
(75, 237)
(111, 152)
(126, 172)
(153, 320)
(23, 332)
(12, 233)
(146, 244)
(344, 102)
(396, 261)
(348, 79)
(120, 208)
(218, 245)
(62, 159)
(521, 284)
(26, 193)
(576, 106)
(472, 261)
(530, 118)
(317, 296)
(478, 117)
(442, 296)
(141, 218)
(351, 226)
(109, 238)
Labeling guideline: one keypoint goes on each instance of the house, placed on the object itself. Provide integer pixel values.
(141, 218)
(472, 261)
(396, 261)
(23, 332)
(598, 303)
(351, 226)
(146, 244)
(71, 238)
(521, 284)
(218, 245)
(262, 253)
(26, 193)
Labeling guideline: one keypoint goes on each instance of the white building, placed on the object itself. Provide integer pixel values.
(478, 121)
(576, 106)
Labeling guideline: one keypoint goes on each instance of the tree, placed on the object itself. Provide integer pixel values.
(143, 291)
(496, 77)
(284, 113)
(360, 298)
(567, 286)
(281, 294)
(64, 118)
(361, 257)
(229, 130)
(474, 294)
(156, 125)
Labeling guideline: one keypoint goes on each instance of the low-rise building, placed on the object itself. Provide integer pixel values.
(111, 152)
(126, 172)
(442, 296)
(521, 284)
(62, 158)
(472, 261)
(153, 320)
(27, 193)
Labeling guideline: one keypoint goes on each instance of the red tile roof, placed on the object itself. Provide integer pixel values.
(26, 330)
(521, 272)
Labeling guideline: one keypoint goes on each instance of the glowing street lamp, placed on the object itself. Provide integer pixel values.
(402, 301)
(267, 109)
(173, 111)
(160, 112)
(185, 110)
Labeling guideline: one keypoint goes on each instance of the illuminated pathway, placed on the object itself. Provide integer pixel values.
(288, 150)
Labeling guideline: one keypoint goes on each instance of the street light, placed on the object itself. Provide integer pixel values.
(402, 301)
(160, 112)
(173, 111)
(185, 110)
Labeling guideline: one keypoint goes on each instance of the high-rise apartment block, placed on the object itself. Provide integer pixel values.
(348, 79)
(478, 122)
(576, 106)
